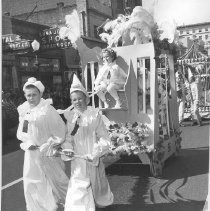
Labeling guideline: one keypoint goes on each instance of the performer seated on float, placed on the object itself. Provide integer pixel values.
(110, 78)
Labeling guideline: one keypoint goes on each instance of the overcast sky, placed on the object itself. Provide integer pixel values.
(181, 11)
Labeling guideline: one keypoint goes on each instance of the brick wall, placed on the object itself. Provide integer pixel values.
(50, 17)
(26, 6)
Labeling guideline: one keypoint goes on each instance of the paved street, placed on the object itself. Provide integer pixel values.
(183, 187)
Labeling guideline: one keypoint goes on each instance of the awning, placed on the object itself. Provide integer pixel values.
(17, 35)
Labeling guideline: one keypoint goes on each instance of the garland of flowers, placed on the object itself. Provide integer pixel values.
(129, 138)
(164, 45)
(162, 97)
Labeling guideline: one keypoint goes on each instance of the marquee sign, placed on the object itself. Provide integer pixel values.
(49, 38)
(13, 42)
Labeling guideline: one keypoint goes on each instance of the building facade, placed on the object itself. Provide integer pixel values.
(200, 31)
(55, 62)
(20, 61)
(52, 12)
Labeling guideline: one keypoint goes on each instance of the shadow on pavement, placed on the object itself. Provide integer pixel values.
(190, 162)
(178, 206)
(205, 121)
(135, 189)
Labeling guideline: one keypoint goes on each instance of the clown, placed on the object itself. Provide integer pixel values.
(40, 129)
(87, 140)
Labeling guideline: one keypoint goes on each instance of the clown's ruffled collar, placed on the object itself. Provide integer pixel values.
(31, 114)
(85, 117)
(110, 65)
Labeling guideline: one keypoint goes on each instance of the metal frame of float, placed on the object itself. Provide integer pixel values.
(132, 60)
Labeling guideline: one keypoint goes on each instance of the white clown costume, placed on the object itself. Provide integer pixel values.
(88, 182)
(113, 84)
(44, 178)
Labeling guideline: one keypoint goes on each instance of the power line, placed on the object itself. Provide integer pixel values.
(32, 10)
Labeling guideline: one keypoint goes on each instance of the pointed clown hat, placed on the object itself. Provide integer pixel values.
(34, 82)
(77, 86)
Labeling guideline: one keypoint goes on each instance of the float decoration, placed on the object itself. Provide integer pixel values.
(193, 55)
(129, 138)
(140, 27)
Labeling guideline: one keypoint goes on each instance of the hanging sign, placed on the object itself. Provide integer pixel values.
(49, 38)
(13, 42)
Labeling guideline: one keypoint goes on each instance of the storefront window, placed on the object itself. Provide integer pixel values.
(57, 82)
(10, 85)
(23, 80)
(44, 64)
(49, 72)
(7, 83)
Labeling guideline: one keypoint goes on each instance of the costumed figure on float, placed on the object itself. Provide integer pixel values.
(110, 78)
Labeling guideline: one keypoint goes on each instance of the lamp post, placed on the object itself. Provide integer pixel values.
(36, 45)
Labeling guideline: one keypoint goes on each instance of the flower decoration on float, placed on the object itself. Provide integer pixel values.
(129, 138)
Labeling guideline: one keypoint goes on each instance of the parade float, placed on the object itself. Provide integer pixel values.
(201, 69)
(147, 122)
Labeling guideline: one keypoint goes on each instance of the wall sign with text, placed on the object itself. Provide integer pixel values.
(49, 39)
(13, 42)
